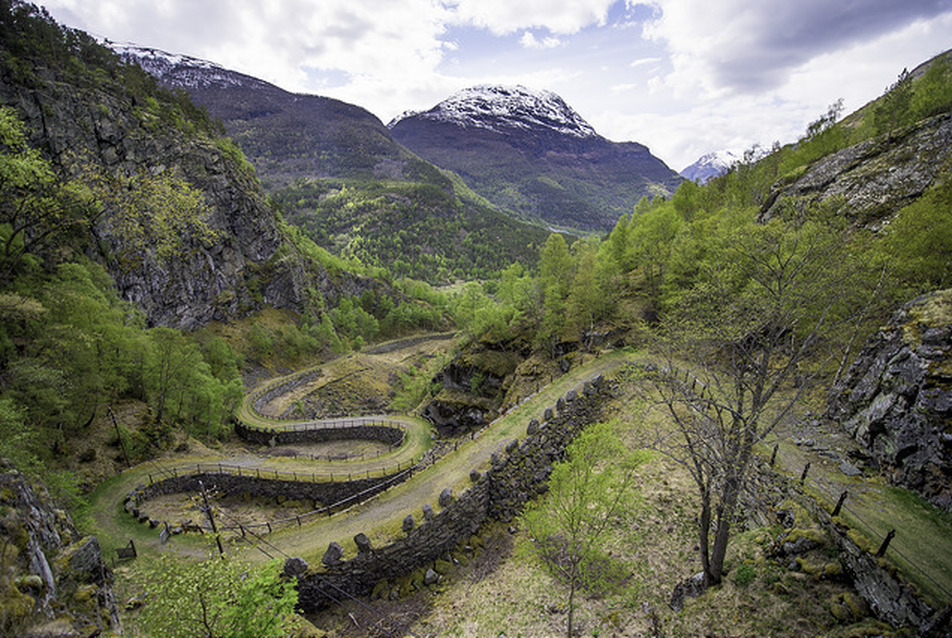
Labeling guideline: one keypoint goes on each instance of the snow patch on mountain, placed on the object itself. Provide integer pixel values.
(709, 166)
(504, 108)
(182, 70)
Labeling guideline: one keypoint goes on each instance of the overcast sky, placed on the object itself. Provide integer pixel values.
(685, 77)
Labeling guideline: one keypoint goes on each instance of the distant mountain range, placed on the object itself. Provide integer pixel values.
(285, 135)
(709, 166)
(527, 153)
(531, 153)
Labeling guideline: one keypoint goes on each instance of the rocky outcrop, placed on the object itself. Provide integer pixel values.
(896, 399)
(120, 128)
(473, 388)
(53, 581)
(874, 179)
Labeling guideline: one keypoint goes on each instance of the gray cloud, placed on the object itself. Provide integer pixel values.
(752, 46)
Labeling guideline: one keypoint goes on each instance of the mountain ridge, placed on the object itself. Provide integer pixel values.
(546, 165)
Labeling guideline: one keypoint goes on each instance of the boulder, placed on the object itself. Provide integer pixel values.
(333, 554)
(896, 399)
(363, 543)
(446, 497)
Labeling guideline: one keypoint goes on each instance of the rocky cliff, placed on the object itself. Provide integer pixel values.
(94, 117)
(897, 398)
(876, 178)
(53, 581)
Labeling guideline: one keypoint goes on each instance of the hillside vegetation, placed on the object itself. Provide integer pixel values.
(144, 277)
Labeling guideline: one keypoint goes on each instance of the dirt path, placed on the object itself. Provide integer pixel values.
(381, 517)
(922, 545)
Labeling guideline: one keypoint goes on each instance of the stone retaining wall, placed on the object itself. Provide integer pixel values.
(514, 477)
(389, 434)
(343, 493)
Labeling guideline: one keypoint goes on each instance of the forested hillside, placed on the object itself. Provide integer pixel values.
(147, 281)
(126, 216)
(337, 173)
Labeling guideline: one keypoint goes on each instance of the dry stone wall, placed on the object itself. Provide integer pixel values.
(514, 477)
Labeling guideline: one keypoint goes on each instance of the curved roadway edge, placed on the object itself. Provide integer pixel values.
(381, 516)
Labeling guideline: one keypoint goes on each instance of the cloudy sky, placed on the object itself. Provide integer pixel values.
(685, 77)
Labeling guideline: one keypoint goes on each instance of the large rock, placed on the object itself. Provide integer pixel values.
(872, 180)
(896, 399)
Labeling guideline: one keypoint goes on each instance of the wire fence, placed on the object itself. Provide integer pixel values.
(693, 386)
(295, 476)
(883, 541)
(326, 510)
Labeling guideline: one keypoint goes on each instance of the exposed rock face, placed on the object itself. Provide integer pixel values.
(897, 398)
(244, 263)
(877, 177)
(49, 572)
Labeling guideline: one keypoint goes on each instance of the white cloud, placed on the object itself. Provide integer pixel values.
(634, 64)
(738, 45)
(506, 16)
(529, 41)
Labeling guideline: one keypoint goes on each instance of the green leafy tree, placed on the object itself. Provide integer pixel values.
(587, 492)
(216, 598)
(37, 209)
(893, 108)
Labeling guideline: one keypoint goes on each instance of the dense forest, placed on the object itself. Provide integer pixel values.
(720, 263)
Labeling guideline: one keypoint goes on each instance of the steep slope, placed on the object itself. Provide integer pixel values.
(531, 153)
(338, 173)
(147, 155)
(285, 135)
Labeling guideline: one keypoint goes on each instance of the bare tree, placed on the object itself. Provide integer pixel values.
(759, 328)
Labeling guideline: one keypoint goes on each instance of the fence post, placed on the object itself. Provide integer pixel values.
(773, 457)
(882, 548)
(803, 475)
(839, 504)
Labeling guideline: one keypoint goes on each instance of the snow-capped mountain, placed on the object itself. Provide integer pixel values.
(529, 152)
(503, 109)
(709, 166)
(184, 71)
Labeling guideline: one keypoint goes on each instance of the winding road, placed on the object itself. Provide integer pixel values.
(379, 517)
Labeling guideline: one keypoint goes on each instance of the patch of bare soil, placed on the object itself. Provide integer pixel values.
(229, 511)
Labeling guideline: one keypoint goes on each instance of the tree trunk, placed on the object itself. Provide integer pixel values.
(725, 513)
(569, 630)
(704, 531)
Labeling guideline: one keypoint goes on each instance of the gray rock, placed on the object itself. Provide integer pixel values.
(849, 469)
(428, 512)
(430, 577)
(363, 543)
(446, 497)
(294, 567)
(874, 179)
(895, 398)
(408, 524)
(333, 554)
(87, 561)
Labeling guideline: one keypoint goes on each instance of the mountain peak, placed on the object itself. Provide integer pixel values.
(503, 109)
(710, 165)
(183, 71)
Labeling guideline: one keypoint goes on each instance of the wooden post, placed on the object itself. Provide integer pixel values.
(882, 548)
(211, 519)
(773, 457)
(803, 475)
(839, 504)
